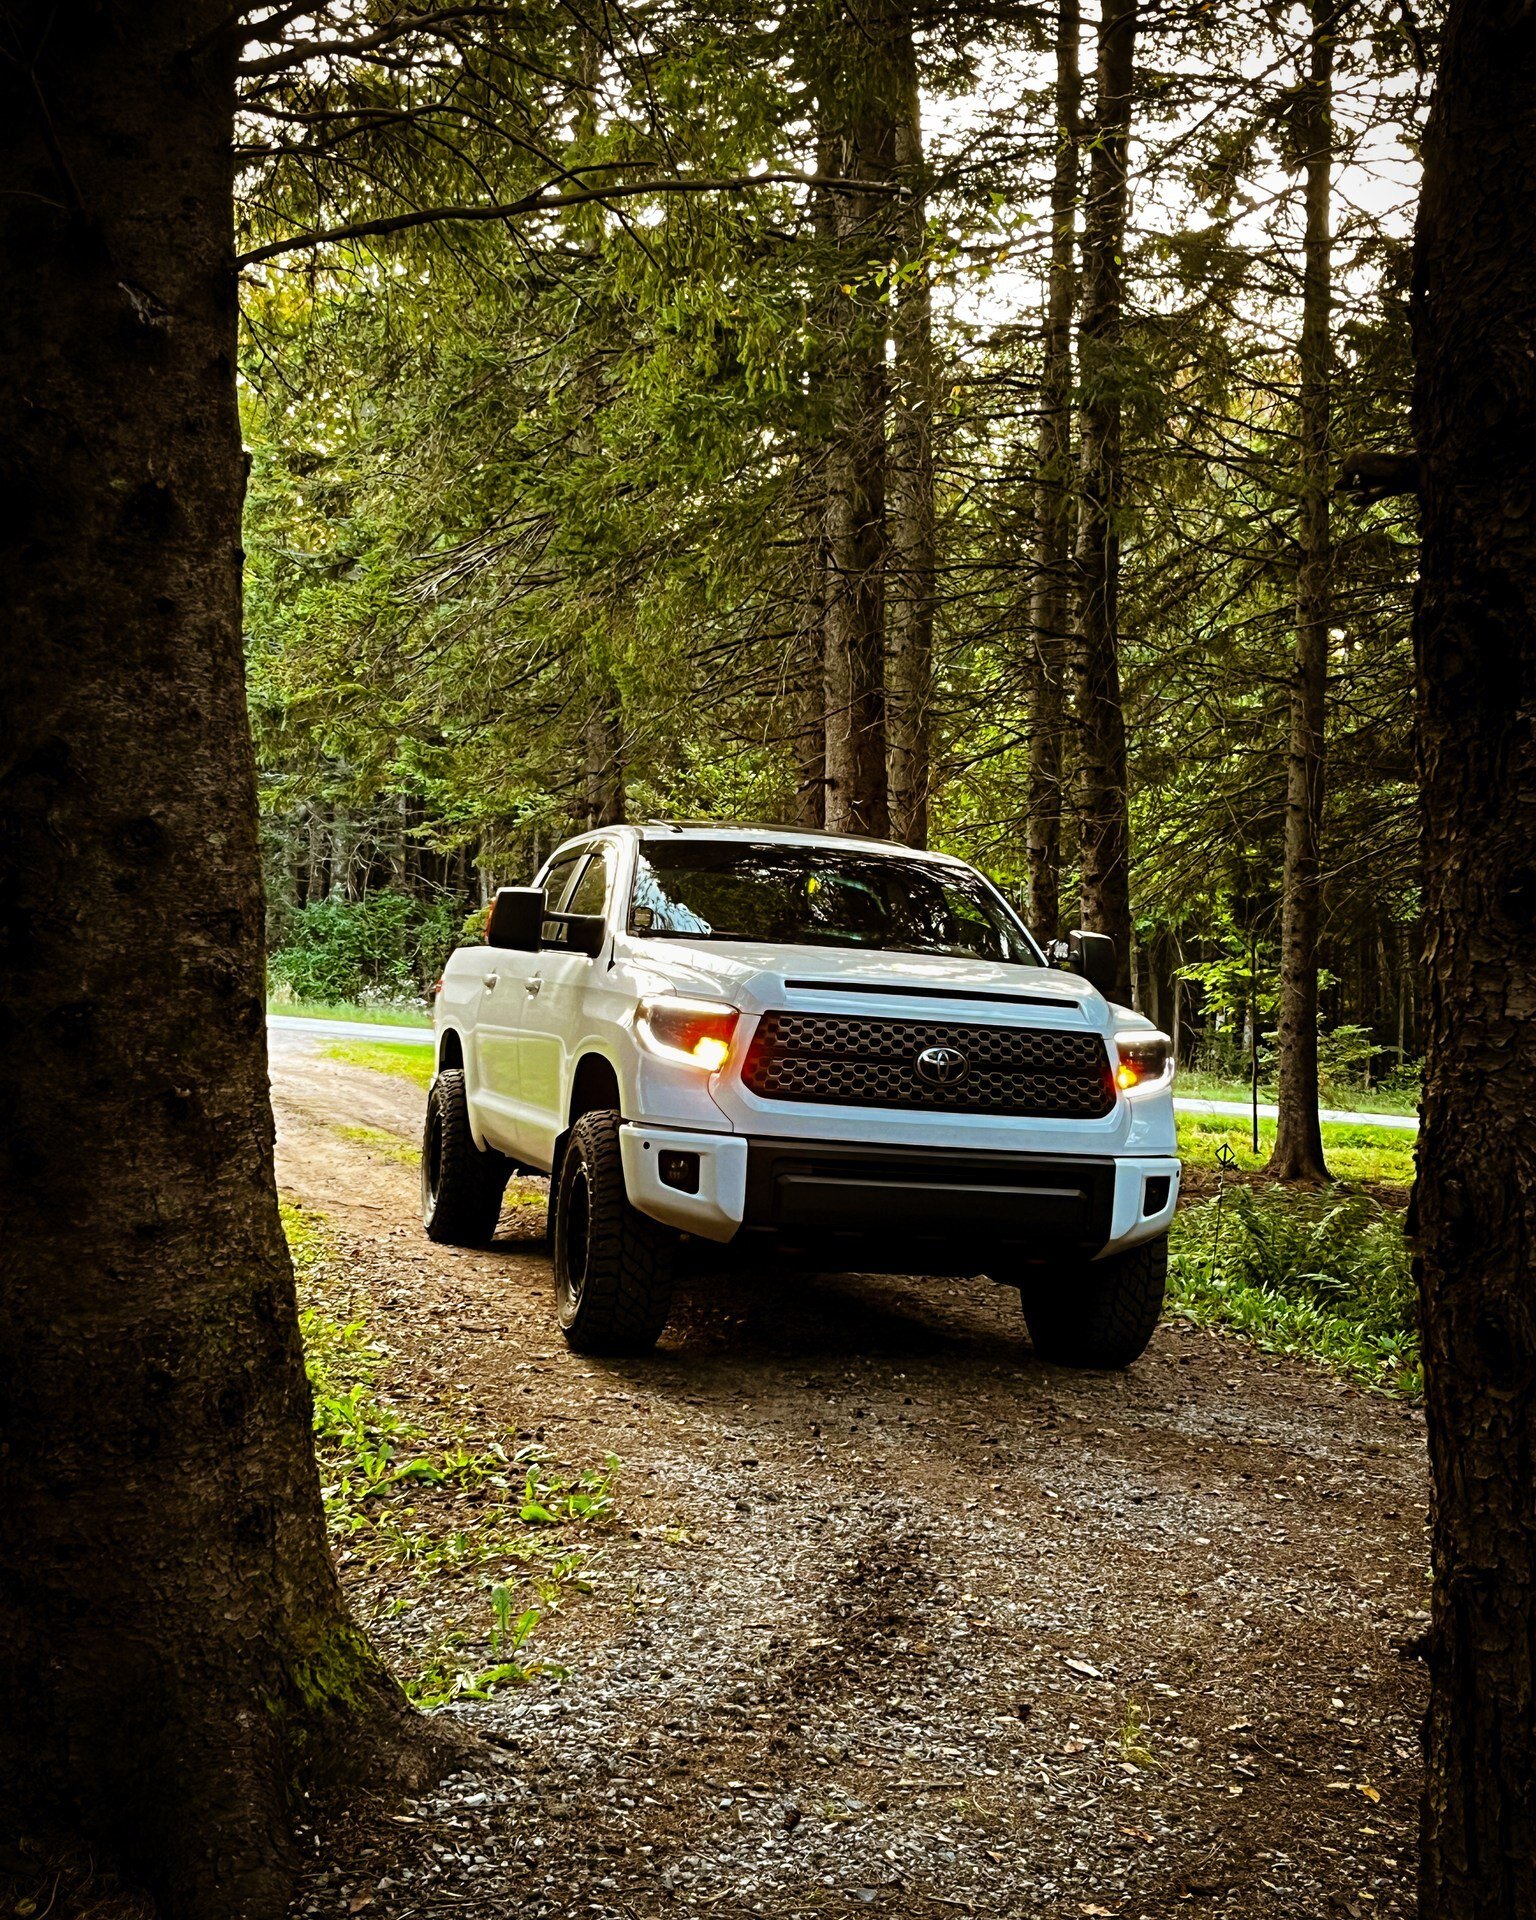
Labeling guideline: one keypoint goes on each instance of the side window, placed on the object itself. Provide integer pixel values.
(591, 895)
(559, 878)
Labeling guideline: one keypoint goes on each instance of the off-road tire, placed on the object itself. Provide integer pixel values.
(613, 1265)
(461, 1184)
(1098, 1313)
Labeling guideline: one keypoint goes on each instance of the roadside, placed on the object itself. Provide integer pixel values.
(891, 1617)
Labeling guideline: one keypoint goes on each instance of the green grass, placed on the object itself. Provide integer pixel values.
(385, 1015)
(376, 1140)
(1321, 1275)
(385, 1056)
(1359, 1156)
(407, 1512)
(1214, 1086)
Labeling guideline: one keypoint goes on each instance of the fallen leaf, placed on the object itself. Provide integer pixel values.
(1083, 1667)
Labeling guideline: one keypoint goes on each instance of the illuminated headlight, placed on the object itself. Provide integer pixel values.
(1146, 1060)
(693, 1033)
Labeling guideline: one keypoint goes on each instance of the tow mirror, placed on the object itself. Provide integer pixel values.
(516, 915)
(574, 933)
(1092, 955)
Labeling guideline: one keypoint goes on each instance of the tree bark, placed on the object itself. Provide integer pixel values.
(1051, 601)
(854, 626)
(1103, 800)
(174, 1646)
(909, 597)
(1475, 1199)
(1298, 1149)
(603, 746)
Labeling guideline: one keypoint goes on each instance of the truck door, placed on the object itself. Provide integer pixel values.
(503, 997)
(553, 1017)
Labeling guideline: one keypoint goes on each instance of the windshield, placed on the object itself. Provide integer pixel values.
(810, 896)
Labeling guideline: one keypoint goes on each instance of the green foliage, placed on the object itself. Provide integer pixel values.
(1321, 1275)
(1359, 1155)
(385, 946)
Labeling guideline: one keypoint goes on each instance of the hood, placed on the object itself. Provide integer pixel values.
(755, 976)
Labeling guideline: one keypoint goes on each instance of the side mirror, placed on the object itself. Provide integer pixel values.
(1093, 956)
(574, 933)
(516, 915)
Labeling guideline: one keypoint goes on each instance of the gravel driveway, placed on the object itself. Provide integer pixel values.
(895, 1618)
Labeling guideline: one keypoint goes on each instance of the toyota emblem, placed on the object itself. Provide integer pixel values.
(943, 1066)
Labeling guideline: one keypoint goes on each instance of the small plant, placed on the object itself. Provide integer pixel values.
(1132, 1742)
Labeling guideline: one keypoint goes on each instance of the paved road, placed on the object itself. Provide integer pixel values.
(422, 1037)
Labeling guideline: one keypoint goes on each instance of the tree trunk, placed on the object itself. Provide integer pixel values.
(1051, 604)
(854, 627)
(603, 745)
(909, 593)
(1298, 1150)
(1475, 1200)
(1103, 802)
(173, 1641)
(806, 674)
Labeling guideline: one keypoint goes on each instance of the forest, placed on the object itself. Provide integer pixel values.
(1098, 443)
(993, 503)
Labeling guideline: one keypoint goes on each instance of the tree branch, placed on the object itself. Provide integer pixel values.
(543, 201)
(1367, 474)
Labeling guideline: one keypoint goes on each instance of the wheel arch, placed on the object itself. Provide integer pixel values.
(595, 1088)
(450, 1050)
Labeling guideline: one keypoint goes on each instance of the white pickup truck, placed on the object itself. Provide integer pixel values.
(832, 1049)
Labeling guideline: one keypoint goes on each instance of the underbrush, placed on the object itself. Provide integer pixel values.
(409, 1514)
(387, 946)
(1323, 1275)
(375, 1013)
(409, 1059)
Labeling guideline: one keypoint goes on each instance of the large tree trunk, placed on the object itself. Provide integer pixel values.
(909, 592)
(1051, 604)
(173, 1642)
(603, 749)
(1298, 1151)
(854, 625)
(1103, 801)
(1475, 1201)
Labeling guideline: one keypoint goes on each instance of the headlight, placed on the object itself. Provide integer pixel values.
(694, 1033)
(1146, 1060)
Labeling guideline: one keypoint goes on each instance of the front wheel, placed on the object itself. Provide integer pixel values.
(1097, 1313)
(461, 1184)
(613, 1265)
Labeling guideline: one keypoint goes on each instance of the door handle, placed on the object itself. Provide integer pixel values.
(491, 979)
(533, 985)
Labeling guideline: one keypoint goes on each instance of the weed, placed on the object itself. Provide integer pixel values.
(1132, 1742)
(376, 1140)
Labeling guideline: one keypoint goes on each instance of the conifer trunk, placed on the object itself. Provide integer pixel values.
(909, 599)
(1298, 1150)
(1051, 601)
(1475, 1200)
(854, 621)
(1103, 798)
(174, 1647)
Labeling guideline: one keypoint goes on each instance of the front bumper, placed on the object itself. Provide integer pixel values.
(816, 1190)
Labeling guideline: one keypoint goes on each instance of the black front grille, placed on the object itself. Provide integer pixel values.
(831, 1059)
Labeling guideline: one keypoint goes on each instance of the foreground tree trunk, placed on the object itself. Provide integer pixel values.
(854, 622)
(1051, 604)
(1103, 799)
(174, 1647)
(1298, 1151)
(1475, 1201)
(909, 595)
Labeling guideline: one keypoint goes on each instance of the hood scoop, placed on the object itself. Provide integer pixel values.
(901, 990)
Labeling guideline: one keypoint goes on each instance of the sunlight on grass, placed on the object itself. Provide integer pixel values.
(376, 1140)
(1377, 1156)
(384, 1015)
(384, 1056)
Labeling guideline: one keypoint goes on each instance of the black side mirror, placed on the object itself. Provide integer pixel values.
(575, 933)
(1093, 956)
(516, 915)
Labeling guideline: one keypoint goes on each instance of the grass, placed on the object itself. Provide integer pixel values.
(1360, 1155)
(385, 1056)
(407, 1513)
(386, 1014)
(1320, 1275)
(376, 1140)
(1215, 1086)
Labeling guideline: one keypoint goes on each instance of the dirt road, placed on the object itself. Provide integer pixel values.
(897, 1619)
